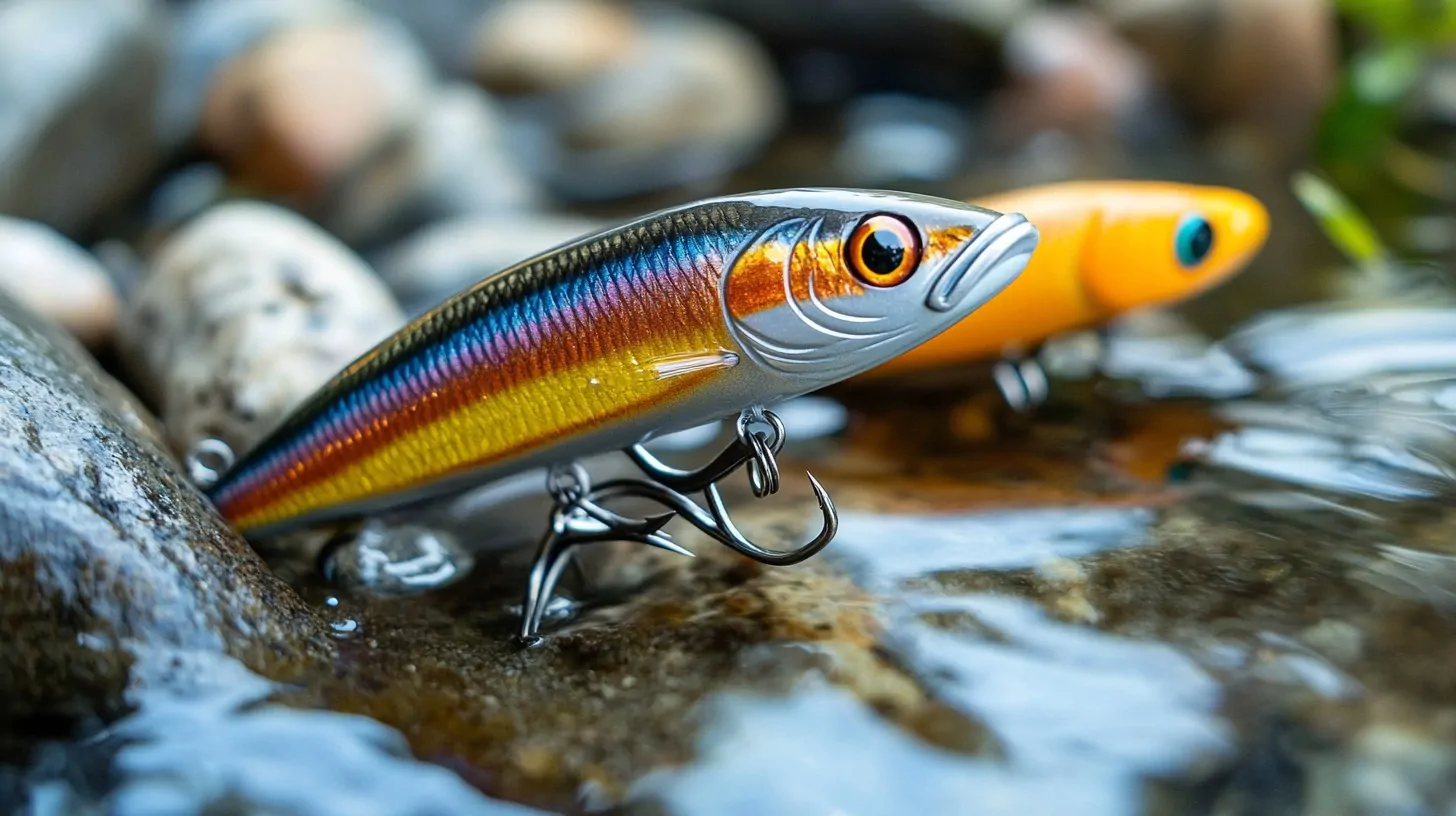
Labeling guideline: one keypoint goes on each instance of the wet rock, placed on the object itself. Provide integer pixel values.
(442, 259)
(309, 104)
(107, 554)
(244, 314)
(209, 34)
(454, 161)
(685, 101)
(613, 693)
(79, 80)
(57, 279)
(1269, 64)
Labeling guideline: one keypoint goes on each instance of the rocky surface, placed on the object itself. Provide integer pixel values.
(52, 276)
(80, 80)
(243, 315)
(107, 554)
(588, 712)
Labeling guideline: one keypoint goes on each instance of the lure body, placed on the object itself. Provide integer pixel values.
(1106, 248)
(684, 316)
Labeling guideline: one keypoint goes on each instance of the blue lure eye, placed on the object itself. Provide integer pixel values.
(1193, 240)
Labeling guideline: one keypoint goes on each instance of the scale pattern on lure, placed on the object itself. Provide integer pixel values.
(681, 317)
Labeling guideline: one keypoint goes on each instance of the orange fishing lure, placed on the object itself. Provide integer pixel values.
(1107, 247)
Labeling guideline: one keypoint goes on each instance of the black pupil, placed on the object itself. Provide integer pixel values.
(1201, 241)
(883, 251)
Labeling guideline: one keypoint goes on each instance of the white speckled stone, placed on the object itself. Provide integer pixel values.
(245, 312)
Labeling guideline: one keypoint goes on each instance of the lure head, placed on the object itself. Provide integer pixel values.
(1155, 243)
(836, 282)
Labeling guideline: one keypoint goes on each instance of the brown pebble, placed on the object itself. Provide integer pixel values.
(529, 46)
(1070, 72)
(310, 103)
(1267, 63)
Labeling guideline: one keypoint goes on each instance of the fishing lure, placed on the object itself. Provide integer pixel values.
(691, 314)
(1107, 247)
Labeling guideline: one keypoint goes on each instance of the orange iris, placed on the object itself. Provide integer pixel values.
(883, 250)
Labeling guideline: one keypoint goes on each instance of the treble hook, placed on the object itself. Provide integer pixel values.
(714, 521)
(578, 517)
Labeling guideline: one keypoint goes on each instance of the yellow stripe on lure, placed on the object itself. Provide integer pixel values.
(1107, 247)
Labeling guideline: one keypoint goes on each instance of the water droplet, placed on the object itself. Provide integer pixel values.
(391, 561)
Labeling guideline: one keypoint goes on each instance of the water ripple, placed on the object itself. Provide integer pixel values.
(884, 549)
(820, 750)
(1138, 707)
(208, 742)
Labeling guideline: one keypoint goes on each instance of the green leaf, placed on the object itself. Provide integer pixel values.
(1346, 227)
(1426, 21)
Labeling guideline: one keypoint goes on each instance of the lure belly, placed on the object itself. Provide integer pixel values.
(1107, 247)
(684, 316)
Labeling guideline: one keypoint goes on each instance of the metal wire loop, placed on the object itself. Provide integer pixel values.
(208, 460)
(578, 516)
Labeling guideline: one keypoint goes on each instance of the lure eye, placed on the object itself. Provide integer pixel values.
(883, 250)
(1194, 240)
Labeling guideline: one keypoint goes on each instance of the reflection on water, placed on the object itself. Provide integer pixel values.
(1330, 345)
(882, 550)
(1422, 576)
(1359, 402)
(820, 750)
(1138, 707)
(1167, 359)
(209, 743)
(1417, 408)
(1292, 663)
(1355, 467)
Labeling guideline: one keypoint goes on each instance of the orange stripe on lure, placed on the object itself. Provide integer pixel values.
(1107, 247)
(684, 316)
